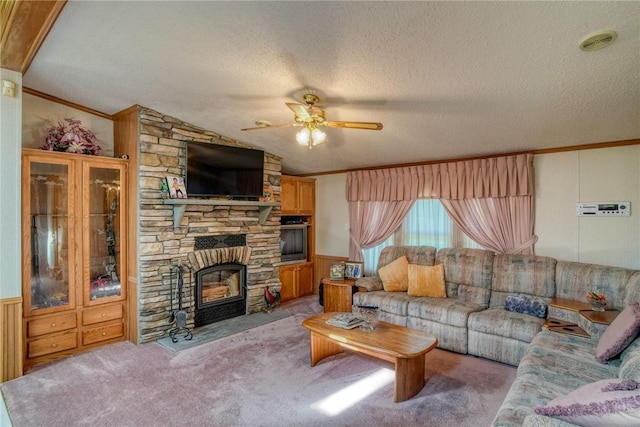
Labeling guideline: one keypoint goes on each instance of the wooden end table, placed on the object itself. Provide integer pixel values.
(405, 348)
(337, 294)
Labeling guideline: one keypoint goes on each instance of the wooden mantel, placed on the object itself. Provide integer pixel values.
(179, 206)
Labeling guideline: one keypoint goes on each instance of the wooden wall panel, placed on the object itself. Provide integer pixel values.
(321, 266)
(11, 346)
(125, 133)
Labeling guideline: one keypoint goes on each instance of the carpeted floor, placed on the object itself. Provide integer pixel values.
(258, 377)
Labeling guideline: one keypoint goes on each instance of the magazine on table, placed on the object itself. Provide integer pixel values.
(346, 320)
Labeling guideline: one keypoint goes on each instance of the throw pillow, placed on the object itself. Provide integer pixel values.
(395, 275)
(527, 305)
(427, 281)
(603, 403)
(620, 333)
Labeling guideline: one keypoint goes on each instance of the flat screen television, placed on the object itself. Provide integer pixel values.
(222, 170)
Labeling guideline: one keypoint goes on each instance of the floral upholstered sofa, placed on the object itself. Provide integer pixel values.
(474, 312)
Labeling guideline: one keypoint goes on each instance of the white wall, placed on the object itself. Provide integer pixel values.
(39, 114)
(10, 143)
(332, 215)
(602, 175)
(562, 180)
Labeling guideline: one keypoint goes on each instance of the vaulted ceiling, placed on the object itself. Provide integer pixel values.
(447, 79)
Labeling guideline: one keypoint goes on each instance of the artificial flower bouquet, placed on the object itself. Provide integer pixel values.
(597, 301)
(71, 137)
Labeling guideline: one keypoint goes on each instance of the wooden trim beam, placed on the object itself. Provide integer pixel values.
(67, 103)
(25, 25)
(580, 147)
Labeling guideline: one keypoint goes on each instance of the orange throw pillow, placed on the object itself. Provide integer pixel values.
(427, 281)
(395, 276)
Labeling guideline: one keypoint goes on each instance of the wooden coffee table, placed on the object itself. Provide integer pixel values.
(404, 347)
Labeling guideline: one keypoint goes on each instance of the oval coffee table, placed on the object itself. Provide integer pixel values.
(404, 347)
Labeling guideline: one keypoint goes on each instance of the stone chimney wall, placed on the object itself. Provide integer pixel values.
(163, 141)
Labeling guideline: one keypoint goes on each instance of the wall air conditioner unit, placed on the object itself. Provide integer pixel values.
(603, 209)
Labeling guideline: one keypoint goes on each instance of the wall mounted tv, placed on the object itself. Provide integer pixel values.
(222, 170)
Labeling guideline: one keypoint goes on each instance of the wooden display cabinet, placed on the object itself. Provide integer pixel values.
(74, 265)
(297, 195)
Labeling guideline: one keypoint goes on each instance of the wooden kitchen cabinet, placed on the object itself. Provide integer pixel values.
(297, 195)
(296, 280)
(74, 256)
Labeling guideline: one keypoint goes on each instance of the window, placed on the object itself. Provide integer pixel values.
(427, 223)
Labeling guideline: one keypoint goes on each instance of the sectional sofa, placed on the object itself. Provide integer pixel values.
(496, 307)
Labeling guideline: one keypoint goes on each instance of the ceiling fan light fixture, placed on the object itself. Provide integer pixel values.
(303, 136)
(318, 136)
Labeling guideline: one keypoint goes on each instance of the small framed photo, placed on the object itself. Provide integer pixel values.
(337, 271)
(177, 190)
(353, 269)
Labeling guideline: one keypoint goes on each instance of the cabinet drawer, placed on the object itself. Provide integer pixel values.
(94, 315)
(50, 345)
(60, 322)
(102, 333)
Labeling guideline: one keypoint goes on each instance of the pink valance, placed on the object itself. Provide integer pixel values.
(467, 179)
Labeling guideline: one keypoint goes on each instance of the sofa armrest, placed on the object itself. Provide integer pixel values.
(370, 283)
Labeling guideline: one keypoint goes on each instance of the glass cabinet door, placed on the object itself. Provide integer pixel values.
(103, 225)
(48, 230)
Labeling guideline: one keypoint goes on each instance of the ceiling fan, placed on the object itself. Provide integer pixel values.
(311, 118)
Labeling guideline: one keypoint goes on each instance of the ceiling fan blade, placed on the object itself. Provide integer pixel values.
(299, 110)
(355, 125)
(272, 126)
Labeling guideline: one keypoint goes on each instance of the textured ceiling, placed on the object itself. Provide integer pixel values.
(447, 79)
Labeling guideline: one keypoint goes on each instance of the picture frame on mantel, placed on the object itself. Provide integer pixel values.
(336, 271)
(353, 269)
(177, 189)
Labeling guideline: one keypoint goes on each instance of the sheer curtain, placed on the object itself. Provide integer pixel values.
(426, 223)
(371, 223)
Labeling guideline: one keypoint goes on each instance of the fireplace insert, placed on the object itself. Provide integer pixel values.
(220, 293)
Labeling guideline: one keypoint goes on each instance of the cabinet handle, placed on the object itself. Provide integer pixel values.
(54, 345)
(53, 325)
(104, 334)
(104, 314)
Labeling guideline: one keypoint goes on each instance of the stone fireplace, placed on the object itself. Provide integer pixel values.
(201, 239)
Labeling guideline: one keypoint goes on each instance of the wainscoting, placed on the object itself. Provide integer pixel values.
(321, 264)
(11, 343)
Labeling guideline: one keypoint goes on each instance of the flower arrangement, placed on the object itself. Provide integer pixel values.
(72, 138)
(597, 301)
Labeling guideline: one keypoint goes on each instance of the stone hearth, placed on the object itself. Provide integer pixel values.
(162, 143)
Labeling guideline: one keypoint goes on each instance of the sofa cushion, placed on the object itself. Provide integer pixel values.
(468, 273)
(574, 279)
(498, 321)
(426, 281)
(630, 362)
(421, 255)
(395, 275)
(605, 402)
(522, 274)
(389, 302)
(620, 333)
(526, 305)
(447, 311)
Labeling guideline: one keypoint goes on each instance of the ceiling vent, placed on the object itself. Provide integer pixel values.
(598, 40)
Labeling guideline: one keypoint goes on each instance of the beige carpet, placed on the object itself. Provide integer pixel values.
(258, 377)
